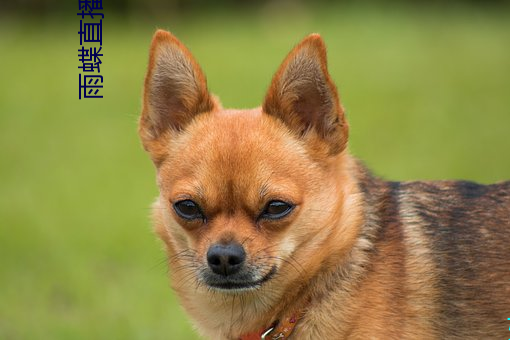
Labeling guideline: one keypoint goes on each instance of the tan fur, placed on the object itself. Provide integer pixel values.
(355, 255)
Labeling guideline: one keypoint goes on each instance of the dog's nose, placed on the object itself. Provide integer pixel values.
(226, 259)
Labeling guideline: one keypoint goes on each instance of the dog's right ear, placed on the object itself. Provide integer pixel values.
(175, 89)
(304, 97)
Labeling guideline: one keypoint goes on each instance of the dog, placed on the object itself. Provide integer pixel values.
(273, 230)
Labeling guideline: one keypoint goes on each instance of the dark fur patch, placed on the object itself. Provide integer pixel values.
(468, 228)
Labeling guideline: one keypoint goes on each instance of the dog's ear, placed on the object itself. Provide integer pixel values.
(175, 89)
(305, 98)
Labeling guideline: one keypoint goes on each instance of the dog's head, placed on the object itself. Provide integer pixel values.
(246, 196)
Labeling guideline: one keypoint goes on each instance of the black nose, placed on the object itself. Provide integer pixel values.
(226, 259)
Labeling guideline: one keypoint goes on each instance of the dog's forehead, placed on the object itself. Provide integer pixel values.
(244, 151)
(238, 138)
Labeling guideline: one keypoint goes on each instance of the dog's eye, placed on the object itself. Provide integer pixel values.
(275, 210)
(188, 210)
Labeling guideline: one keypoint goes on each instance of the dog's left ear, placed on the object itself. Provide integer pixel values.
(305, 98)
(175, 90)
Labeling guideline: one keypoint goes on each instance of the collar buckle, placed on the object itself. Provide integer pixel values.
(266, 333)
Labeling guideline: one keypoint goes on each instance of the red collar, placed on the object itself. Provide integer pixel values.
(278, 330)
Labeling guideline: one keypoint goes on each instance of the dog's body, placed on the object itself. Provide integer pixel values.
(267, 219)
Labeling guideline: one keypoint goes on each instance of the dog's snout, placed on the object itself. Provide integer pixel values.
(226, 259)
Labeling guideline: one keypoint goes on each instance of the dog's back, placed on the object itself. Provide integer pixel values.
(448, 243)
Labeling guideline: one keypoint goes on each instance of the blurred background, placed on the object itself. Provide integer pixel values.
(426, 85)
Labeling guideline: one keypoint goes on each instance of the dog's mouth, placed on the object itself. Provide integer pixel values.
(237, 284)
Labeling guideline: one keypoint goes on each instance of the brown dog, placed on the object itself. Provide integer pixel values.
(272, 228)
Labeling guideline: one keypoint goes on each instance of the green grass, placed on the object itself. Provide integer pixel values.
(427, 96)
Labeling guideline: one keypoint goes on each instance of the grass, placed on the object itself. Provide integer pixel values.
(426, 93)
